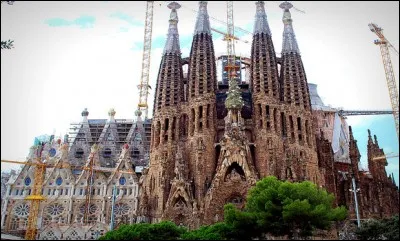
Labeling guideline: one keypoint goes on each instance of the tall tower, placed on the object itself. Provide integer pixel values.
(202, 82)
(296, 119)
(265, 91)
(165, 131)
(293, 77)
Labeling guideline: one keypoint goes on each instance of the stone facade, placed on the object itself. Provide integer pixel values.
(205, 153)
(73, 209)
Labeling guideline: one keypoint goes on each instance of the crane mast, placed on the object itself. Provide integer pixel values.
(144, 80)
(35, 198)
(390, 78)
(230, 39)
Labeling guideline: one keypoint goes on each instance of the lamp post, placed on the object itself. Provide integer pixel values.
(114, 193)
(355, 190)
(97, 234)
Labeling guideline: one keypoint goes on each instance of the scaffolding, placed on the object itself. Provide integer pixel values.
(111, 136)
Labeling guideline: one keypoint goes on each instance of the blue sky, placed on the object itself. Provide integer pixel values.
(74, 55)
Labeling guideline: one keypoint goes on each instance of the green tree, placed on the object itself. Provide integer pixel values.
(385, 229)
(8, 44)
(165, 230)
(217, 231)
(293, 209)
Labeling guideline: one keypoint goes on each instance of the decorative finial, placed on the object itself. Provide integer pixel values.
(289, 44)
(261, 22)
(85, 112)
(172, 44)
(234, 99)
(111, 112)
(376, 140)
(202, 21)
(286, 5)
(138, 112)
(173, 6)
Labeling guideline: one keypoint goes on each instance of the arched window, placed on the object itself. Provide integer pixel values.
(59, 181)
(79, 153)
(122, 180)
(27, 181)
(135, 153)
(52, 152)
(107, 153)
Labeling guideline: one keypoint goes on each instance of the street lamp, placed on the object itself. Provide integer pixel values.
(114, 193)
(97, 234)
(353, 180)
(354, 190)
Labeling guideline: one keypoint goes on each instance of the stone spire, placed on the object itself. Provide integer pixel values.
(369, 137)
(85, 114)
(169, 90)
(202, 22)
(261, 22)
(202, 70)
(264, 70)
(293, 77)
(289, 39)
(172, 44)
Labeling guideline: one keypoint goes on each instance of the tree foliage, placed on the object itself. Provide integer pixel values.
(275, 207)
(385, 229)
(8, 44)
(217, 231)
(165, 230)
(293, 209)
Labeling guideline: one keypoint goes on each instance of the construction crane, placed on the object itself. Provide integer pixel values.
(364, 112)
(144, 79)
(390, 78)
(36, 194)
(385, 157)
(225, 35)
(231, 67)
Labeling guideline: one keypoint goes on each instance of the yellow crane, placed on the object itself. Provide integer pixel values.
(36, 194)
(384, 45)
(144, 80)
(35, 197)
(385, 156)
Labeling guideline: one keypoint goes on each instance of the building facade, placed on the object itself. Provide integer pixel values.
(78, 201)
(205, 154)
(207, 144)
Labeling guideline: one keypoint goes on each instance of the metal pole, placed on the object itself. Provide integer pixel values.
(355, 200)
(112, 207)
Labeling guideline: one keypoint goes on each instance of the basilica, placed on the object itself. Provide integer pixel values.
(208, 142)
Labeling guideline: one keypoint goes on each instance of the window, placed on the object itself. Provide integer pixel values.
(81, 192)
(16, 192)
(122, 180)
(61, 191)
(27, 181)
(49, 192)
(59, 181)
(79, 153)
(66, 191)
(107, 153)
